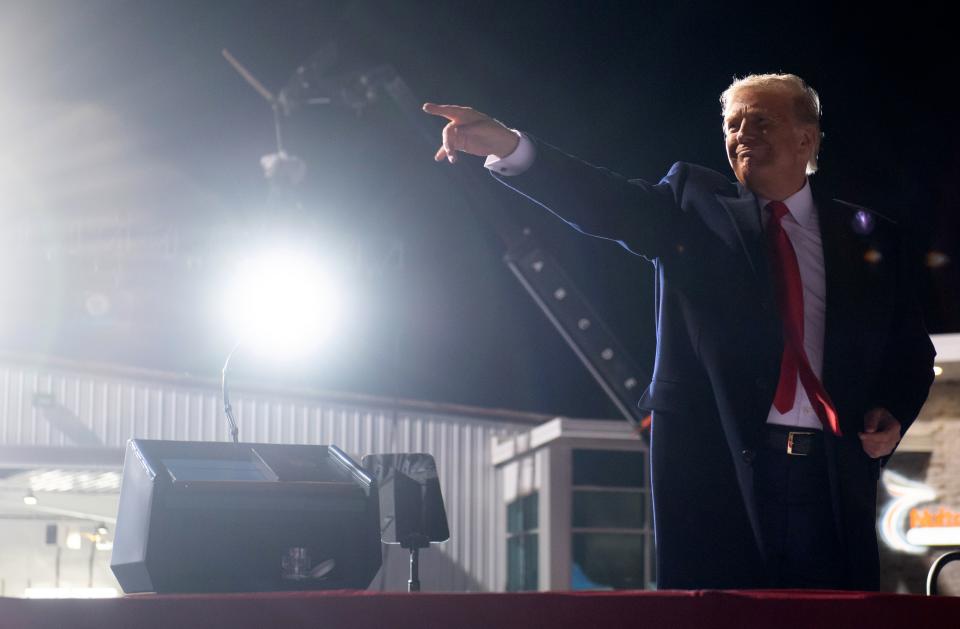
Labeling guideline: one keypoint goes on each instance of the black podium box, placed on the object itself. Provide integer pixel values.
(224, 517)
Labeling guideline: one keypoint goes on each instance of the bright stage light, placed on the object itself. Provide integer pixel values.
(74, 541)
(283, 303)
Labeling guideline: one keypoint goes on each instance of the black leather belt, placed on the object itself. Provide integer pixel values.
(793, 441)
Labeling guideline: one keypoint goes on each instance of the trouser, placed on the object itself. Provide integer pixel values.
(797, 520)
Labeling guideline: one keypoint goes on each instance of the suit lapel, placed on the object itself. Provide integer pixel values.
(832, 237)
(744, 212)
(741, 206)
(848, 287)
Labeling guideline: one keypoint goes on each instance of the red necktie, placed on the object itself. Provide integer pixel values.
(794, 362)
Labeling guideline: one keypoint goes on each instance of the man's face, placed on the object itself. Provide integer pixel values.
(767, 148)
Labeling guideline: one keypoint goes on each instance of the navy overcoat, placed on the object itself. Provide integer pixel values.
(719, 344)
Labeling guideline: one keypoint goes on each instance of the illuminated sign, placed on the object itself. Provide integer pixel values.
(940, 527)
(908, 528)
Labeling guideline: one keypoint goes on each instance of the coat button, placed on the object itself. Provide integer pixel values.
(748, 456)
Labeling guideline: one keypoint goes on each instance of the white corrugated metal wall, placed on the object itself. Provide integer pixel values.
(118, 404)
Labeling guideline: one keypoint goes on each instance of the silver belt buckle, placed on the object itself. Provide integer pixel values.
(790, 437)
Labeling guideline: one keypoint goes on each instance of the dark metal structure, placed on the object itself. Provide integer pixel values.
(541, 275)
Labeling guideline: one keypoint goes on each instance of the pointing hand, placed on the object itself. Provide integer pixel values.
(471, 132)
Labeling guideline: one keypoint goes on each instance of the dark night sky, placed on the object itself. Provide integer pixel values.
(129, 138)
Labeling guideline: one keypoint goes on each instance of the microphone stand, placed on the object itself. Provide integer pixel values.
(227, 407)
(414, 544)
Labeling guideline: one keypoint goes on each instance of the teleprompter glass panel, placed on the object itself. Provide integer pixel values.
(608, 468)
(217, 469)
(608, 509)
(607, 560)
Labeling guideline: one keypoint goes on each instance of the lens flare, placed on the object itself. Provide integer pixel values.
(283, 303)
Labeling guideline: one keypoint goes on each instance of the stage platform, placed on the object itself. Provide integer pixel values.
(582, 610)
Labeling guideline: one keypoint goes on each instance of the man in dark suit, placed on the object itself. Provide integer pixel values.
(791, 354)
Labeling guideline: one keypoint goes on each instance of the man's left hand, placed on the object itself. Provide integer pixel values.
(881, 433)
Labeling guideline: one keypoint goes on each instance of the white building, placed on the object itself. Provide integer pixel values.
(533, 501)
(64, 426)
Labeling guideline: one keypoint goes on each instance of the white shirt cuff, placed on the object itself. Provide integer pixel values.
(515, 163)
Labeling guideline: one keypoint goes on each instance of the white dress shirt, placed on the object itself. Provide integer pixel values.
(515, 163)
(803, 229)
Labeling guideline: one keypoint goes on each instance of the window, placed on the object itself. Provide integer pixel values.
(611, 539)
(522, 540)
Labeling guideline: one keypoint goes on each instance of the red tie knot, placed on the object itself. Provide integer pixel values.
(777, 209)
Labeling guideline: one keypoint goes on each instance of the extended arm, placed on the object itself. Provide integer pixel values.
(641, 217)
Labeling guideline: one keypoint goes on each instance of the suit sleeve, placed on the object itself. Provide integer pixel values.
(640, 216)
(906, 372)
